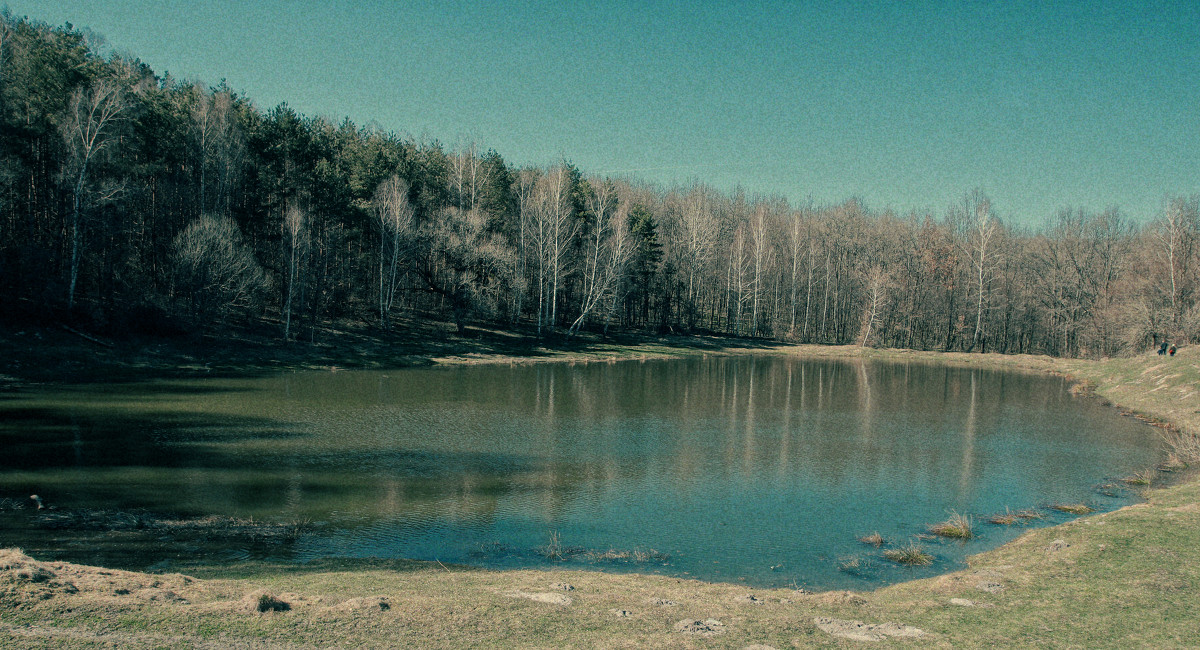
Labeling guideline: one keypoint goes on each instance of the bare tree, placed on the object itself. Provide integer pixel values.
(762, 253)
(87, 130)
(219, 146)
(1176, 232)
(977, 230)
(295, 243)
(698, 234)
(551, 231)
(214, 270)
(466, 175)
(462, 262)
(525, 186)
(878, 283)
(736, 281)
(609, 249)
(393, 217)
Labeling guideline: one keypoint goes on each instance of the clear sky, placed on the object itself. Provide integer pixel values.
(906, 105)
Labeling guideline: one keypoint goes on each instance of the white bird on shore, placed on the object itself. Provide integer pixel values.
(38, 500)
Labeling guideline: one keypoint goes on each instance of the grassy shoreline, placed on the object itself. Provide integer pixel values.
(1128, 578)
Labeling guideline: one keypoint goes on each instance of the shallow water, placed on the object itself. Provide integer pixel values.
(760, 469)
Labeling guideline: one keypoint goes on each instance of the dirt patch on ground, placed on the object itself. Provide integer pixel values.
(705, 628)
(859, 631)
(542, 597)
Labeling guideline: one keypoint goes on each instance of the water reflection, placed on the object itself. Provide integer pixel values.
(730, 465)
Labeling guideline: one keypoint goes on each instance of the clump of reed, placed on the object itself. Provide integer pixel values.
(956, 527)
(555, 550)
(1073, 508)
(910, 555)
(874, 539)
(1185, 447)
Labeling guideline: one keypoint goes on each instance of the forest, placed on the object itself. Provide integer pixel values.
(133, 203)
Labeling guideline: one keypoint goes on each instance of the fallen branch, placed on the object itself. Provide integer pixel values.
(87, 336)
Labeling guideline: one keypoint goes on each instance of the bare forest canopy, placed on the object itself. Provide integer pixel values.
(136, 203)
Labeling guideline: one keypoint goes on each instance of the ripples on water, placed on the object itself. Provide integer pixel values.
(757, 469)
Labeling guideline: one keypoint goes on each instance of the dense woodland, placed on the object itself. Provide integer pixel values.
(135, 203)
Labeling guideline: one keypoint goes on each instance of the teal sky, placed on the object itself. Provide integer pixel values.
(906, 105)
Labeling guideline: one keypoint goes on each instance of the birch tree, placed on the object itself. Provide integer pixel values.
(295, 246)
(878, 282)
(87, 131)
(699, 231)
(551, 230)
(218, 143)
(762, 254)
(977, 229)
(393, 218)
(1176, 232)
(609, 249)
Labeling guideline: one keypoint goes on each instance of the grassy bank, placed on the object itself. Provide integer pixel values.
(1129, 578)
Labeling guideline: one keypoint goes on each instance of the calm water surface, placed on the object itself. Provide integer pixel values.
(757, 469)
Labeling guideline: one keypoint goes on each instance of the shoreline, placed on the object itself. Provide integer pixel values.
(1123, 383)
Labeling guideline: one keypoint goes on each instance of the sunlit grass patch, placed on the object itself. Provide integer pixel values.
(910, 554)
(956, 527)
(874, 539)
(1073, 508)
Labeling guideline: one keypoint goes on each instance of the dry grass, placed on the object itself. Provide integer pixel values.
(553, 549)
(956, 527)
(1185, 447)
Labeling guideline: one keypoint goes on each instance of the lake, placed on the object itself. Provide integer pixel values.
(759, 469)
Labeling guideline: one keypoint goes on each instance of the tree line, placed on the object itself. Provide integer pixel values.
(133, 201)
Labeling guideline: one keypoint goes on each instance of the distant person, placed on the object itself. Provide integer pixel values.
(1172, 350)
(1162, 349)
